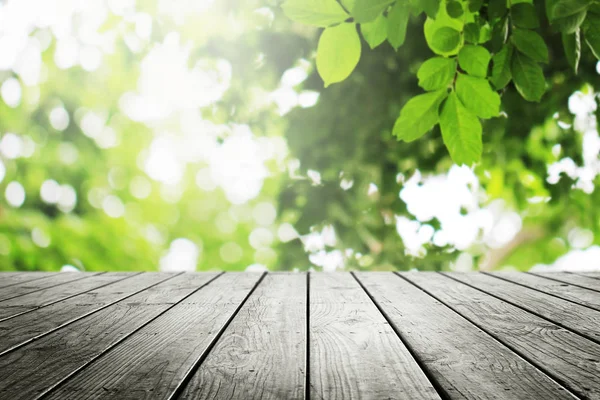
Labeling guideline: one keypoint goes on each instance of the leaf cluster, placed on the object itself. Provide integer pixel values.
(480, 47)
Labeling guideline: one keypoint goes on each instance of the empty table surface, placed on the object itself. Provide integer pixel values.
(359, 335)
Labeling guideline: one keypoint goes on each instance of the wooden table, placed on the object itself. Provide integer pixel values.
(372, 335)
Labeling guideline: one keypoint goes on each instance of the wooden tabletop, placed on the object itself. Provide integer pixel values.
(364, 335)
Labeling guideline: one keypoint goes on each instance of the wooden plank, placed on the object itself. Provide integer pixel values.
(44, 297)
(578, 280)
(34, 369)
(22, 329)
(576, 294)
(14, 278)
(565, 356)
(154, 361)
(354, 353)
(595, 275)
(56, 279)
(575, 317)
(262, 353)
(464, 361)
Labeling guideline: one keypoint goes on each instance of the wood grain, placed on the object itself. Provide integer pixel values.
(34, 369)
(21, 289)
(595, 275)
(354, 353)
(14, 278)
(283, 336)
(154, 361)
(262, 354)
(576, 294)
(573, 279)
(22, 304)
(22, 329)
(575, 317)
(569, 358)
(466, 362)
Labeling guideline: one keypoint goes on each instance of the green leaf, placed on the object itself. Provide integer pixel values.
(368, 10)
(419, 115)
(565, 8)
(461, 131)
(524, 16)
(591, 33)
(375, 32)
(496, 9)
(445, 39)
(572, 46)
(474, 60)
(315, 12)
(477, 95)
(416, 7)
(501, 74)
(528, 77)
(436, 73)
(531, 44)
(571, 23)
(338, 53)
(397, 23)
(485, 34)
(549, 6)
(454, 9)
(472, 32)
(594, 8)
(430, 7)
(499, 34)
(475, 5)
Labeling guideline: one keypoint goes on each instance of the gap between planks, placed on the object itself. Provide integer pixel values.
(465, 360)
(567, 348)
(576, 318)
(7, 347)
(197, 364)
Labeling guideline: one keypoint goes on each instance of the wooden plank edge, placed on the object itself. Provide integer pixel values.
(581, 273)
(436, 385)
(37, 337)
(90, 275)
(116, 343)
(68, 297)
(563, 281)
(543, 370)
(542, 291)
(192, 370)
(589, 337)
(26, 281)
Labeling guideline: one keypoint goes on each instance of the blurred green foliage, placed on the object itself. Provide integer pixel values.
(346, 137)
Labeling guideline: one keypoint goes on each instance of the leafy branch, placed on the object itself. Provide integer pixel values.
(480, 47)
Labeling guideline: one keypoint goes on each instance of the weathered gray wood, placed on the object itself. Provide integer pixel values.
(41, 298)
(595, 275)
(262, 353)
(154, 361)
(564, 355)
(573, 279)
(21, 289)
(4, 274)
(130, 339)
(34, 369)
(575, 317)
(576, 294)
(354, 353)
(465, 361)
(24, 328)
(14, 278)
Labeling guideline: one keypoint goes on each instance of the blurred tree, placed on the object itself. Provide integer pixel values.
(187, 135)
(537, 156)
